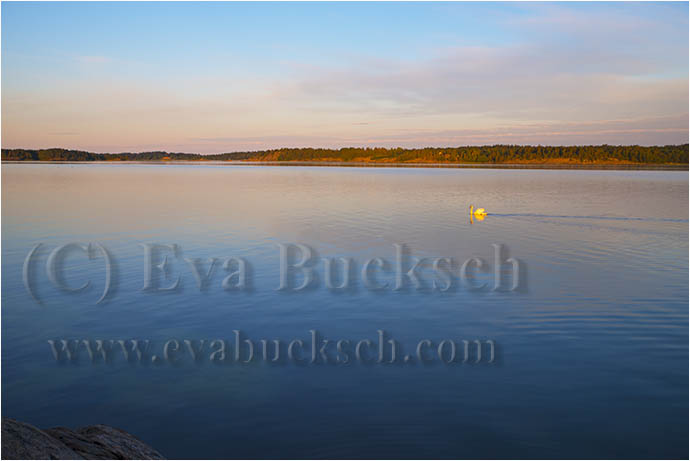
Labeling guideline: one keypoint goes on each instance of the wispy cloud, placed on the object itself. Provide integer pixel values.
(633, 131)
(509, 83)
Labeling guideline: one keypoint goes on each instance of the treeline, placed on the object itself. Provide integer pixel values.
(467, 154)
(69, 155)
(476, 154)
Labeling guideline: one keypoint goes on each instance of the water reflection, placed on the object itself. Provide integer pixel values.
(478, 218)
(595, 351)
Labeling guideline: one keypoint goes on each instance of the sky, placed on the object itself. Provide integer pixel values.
(221, 77)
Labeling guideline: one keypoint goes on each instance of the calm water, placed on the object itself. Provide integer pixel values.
(592, 357)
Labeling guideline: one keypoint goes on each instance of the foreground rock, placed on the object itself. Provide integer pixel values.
(24, 441)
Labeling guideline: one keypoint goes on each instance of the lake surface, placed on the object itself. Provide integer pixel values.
(591, 357)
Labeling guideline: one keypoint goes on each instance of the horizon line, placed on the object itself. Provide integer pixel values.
(345, 147)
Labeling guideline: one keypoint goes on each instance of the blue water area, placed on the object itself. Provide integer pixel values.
(591, 348)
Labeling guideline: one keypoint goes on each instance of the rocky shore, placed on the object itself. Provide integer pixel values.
(24, 441)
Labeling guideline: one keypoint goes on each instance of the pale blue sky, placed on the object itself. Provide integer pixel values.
(217, 77)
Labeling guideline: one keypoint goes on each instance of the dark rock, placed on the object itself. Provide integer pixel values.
(104, 442)
(24, 441)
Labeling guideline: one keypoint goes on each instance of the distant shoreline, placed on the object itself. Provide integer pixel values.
(495, 156)
(507, 166)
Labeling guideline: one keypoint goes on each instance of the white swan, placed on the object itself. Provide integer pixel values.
(477, 212)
